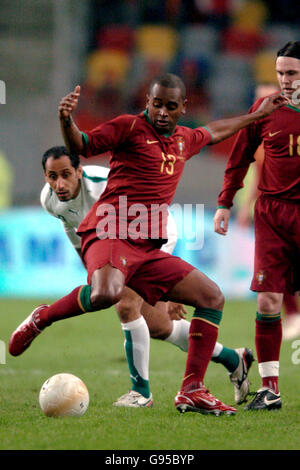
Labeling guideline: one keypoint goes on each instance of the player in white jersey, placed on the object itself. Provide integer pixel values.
(68, 194)
(72, 211)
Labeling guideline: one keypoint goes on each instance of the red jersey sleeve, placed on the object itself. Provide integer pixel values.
(199, 138)
(242, 154)
(108, 135)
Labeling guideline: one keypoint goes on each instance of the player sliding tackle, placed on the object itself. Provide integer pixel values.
(147, 160)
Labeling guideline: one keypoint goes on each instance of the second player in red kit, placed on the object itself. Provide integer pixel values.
(276, 217)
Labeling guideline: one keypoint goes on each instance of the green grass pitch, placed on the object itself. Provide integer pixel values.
(91, 347)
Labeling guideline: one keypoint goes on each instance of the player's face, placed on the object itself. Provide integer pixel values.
(165, 106)
(63, 178)
(288, 71)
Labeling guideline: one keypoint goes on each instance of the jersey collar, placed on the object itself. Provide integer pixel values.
(293, 108)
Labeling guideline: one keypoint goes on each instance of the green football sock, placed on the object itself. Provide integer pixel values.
(139, 384)
(228, 357)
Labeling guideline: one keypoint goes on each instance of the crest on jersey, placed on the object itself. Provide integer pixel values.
(260, 276)
(180, 145)
(123, 260)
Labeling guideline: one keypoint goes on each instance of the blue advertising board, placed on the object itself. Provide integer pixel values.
(37, 259)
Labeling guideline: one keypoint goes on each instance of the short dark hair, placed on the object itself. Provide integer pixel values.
(291, 49)
(59, 151)
(169, 80)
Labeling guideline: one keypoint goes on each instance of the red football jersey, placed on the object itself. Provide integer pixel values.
(280, 174)
(145, 167)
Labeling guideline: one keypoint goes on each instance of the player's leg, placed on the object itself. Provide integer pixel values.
(268, 336)
(199, 291)
(273, 275)
(166, 277)
(291, 325)
(236, 361)
(107, 285)
(104, 288)
(136, 344)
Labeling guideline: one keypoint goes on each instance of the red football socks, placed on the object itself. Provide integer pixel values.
(268, 336)
(202, 339)
(69, 306)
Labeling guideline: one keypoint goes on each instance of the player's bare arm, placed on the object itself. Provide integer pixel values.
(224, 128)
(221, 221)
(70, 132)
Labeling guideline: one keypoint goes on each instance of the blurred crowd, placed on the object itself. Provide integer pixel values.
(221, 49)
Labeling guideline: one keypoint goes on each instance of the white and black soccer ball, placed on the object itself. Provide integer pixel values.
(64, 395)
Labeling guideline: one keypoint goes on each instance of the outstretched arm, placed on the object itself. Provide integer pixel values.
(224, 128)
(70, 132)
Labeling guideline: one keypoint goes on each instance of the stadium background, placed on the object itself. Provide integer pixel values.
(221, 48)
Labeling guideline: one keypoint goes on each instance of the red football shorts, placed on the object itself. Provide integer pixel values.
(148, 270)
(277, 246)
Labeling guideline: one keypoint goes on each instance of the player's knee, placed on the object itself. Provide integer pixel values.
(127, 310)
(107, 287)
(214, 299)
(269, 303)
(105, 298)
(161, 331)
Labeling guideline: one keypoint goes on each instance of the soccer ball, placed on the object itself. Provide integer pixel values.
(64, 395)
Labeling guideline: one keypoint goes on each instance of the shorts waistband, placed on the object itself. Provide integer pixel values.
(278, 199)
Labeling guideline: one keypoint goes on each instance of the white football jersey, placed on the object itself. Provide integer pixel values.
(72, 212)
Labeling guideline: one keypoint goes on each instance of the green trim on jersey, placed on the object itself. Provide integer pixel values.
(204, 127)
(85, 138)
(293, 108)
(95, 179)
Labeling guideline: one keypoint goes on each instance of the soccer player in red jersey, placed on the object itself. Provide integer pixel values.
(148, 153)
(276, 218)
(244, 202)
